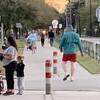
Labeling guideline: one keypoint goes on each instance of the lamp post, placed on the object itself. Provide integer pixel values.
(66, 17)
(1, 31)
(90, 26)
(70, 16)
(79, 17)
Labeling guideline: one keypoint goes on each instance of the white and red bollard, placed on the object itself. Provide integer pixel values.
(55, 62)
(48, 76)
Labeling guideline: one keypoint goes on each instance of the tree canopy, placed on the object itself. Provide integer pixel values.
(30, 13)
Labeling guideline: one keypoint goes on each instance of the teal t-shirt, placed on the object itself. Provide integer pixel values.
(69, 42)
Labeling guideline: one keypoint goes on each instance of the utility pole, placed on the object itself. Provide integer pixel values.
(79, 17)
(90, 26)
(1, 30)
(70, 17)
(66, 15)
(2, 33)
(70, 13)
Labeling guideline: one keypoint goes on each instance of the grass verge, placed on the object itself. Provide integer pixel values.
(90, 64)
(21, 45)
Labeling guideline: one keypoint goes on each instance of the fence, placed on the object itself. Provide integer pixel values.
(91, 48)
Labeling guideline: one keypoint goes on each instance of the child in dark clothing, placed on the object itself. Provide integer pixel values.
(20, 74)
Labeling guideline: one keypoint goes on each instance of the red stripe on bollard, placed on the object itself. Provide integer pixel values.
(55, 53)
(48, 75)
(55, 61)
(48, 64)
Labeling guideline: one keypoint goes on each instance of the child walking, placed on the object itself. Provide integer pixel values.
(20, 74)
(1, 84)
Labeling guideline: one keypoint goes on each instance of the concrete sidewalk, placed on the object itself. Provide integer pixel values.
(60, 95)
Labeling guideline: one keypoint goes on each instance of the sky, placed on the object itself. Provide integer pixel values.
(57, 4)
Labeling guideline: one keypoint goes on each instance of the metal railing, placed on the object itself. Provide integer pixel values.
(91, 48)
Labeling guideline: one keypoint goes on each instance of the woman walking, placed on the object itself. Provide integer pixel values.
(42, 39)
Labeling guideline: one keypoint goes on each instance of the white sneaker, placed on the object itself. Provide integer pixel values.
(19, 93)
(72, 79)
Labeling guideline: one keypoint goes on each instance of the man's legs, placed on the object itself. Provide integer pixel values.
(65, 70)
(64, 67)
(73, 65)
(51, 41)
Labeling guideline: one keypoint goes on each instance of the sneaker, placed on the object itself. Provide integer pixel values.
(65, 78)
(72, 79)
(19, 93)
(8, 93)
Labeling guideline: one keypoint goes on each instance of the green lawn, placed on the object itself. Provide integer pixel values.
(89, 63)
(21, 45)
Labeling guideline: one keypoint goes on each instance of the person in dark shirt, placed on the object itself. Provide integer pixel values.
(51, 36)
(42, 39)
(20, 74)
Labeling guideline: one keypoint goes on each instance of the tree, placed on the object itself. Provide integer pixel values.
(14, 11)
(30, 13)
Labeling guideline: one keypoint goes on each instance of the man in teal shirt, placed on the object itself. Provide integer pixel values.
(68, 45)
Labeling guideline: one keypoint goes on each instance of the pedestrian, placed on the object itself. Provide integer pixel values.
(68, 45)
(51, 36)
(9, 63)
(20, 74)
(32, 38)
(1, 84)
(42, 35)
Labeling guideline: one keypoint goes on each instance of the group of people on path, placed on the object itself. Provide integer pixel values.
(34, 36)
(68, 45)
(12, 62)
(69, 42)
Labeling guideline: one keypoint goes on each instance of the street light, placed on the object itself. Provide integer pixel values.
(1, 30)
(90, 26)
(66, 18)
(70, 16)
(79, 17)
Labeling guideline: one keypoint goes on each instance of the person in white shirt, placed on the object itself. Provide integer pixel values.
(10, 63)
